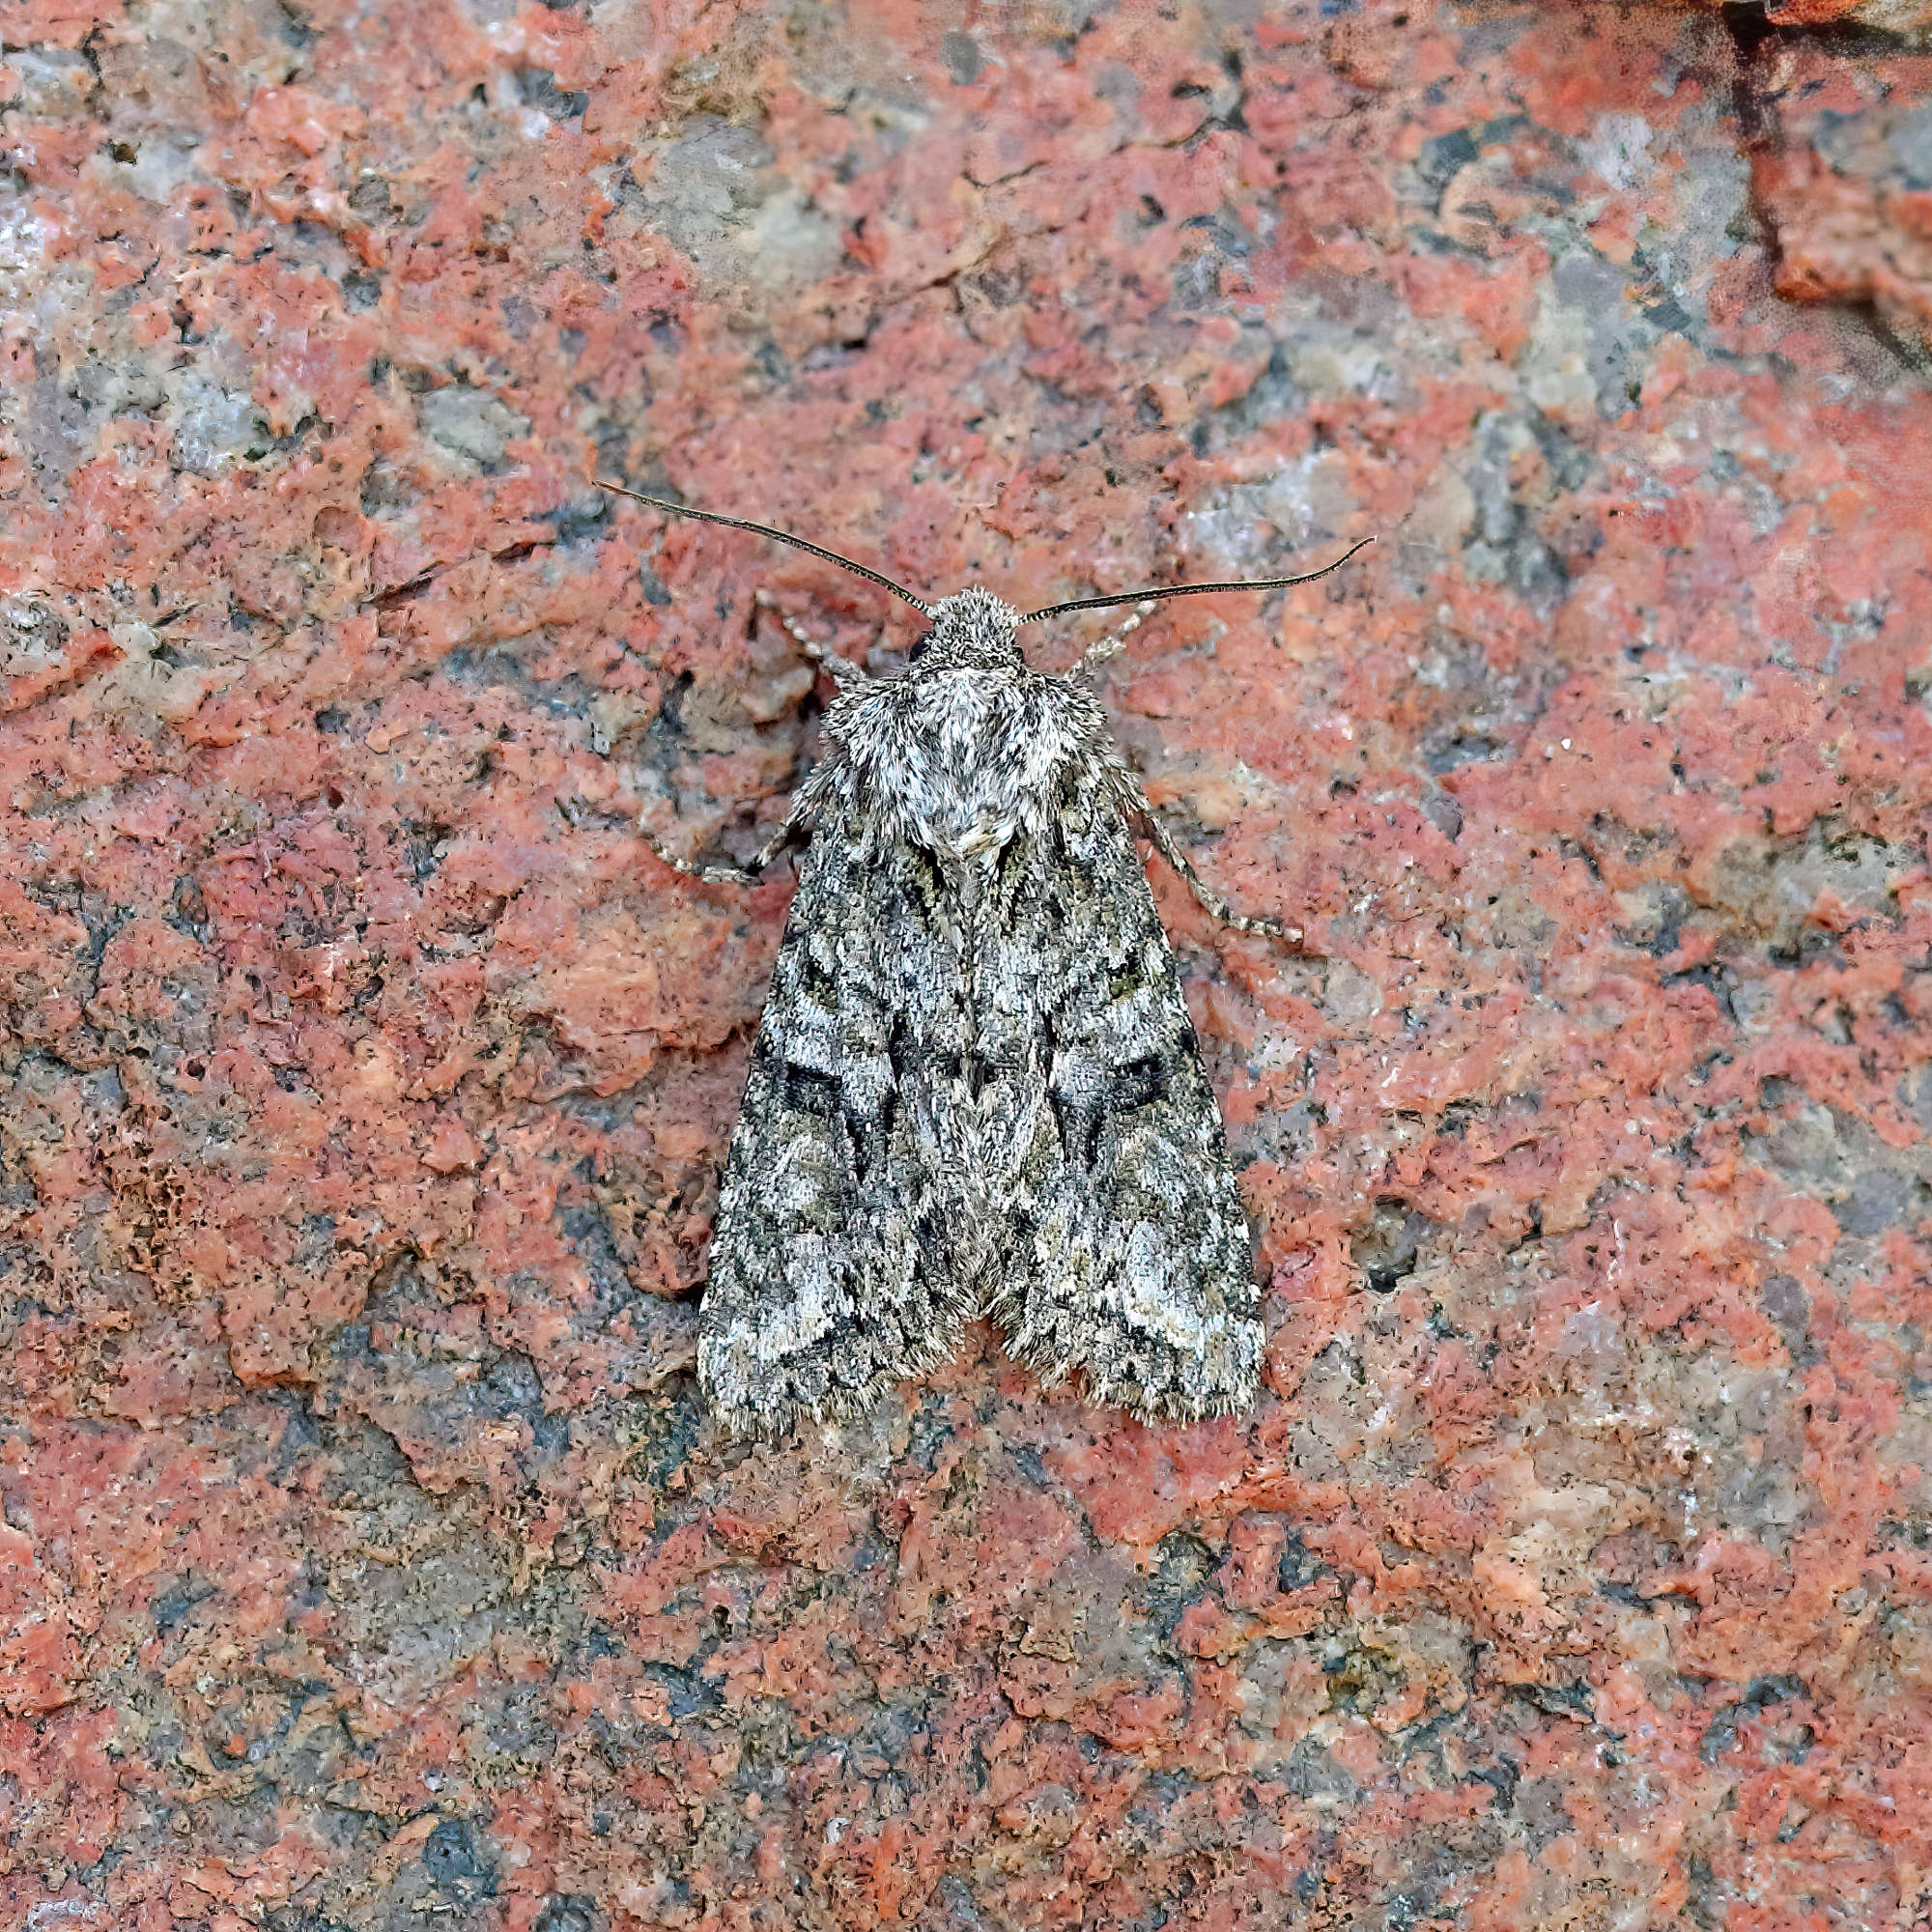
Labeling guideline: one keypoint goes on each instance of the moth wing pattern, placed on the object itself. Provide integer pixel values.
(1130, 1259)
(835, 1266)
(976, 1086)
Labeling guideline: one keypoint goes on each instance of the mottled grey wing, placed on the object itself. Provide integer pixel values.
(836, 1263)
(1129, 1257)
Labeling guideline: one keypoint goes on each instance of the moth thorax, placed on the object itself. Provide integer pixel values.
(968, 761)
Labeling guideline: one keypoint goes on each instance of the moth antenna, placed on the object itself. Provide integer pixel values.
(1186, 589)
(765, 530)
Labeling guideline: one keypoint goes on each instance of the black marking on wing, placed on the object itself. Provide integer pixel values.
(806, 1090)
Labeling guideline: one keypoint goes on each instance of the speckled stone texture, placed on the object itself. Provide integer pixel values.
(1845, 177)
(366, 1557)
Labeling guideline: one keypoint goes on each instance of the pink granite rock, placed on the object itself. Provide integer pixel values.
(1843, 172)
(366, 1555)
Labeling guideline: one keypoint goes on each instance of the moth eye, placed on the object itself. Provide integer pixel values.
(919, 644)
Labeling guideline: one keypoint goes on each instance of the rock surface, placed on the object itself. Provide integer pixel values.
(366, 1557)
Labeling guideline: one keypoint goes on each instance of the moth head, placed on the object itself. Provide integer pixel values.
(971, 627)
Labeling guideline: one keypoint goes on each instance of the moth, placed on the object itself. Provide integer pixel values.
(975, 1087)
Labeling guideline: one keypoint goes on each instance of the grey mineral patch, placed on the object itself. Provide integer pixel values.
(1588, 343)
(1350, 997)
(470, 423)
(1771, 886)
(1713, 215)
(1870, 1186)
(962, 57)
(161, 164)
(715, 196)
(216, 428)
(32, 636)
(1909, 142)
(54, 84)
(1501, 543)
(50, 427)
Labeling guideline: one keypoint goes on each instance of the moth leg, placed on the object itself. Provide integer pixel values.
(1164, 843)
(732, 875)
(845, 674)
(1116, 641)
